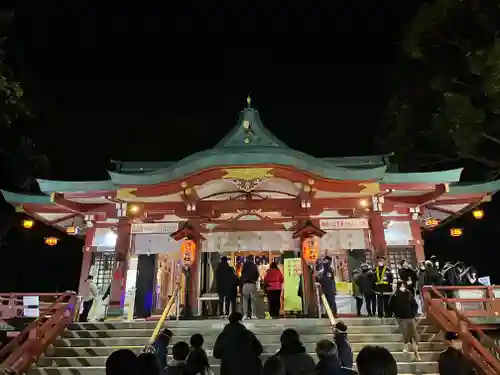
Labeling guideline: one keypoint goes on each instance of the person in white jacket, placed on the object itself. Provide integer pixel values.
(89, 296)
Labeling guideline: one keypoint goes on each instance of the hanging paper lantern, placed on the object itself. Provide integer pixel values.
(28, 223)
(188, 252)
(51, 241)
(431, 222)
(456, 232)
(478, 214)
(310, 250)
(73, 230)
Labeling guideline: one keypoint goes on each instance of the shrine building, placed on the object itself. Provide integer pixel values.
(152, 223)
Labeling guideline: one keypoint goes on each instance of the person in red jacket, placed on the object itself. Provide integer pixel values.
(273, 284)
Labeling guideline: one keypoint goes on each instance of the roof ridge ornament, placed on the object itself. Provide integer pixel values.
(249, 101)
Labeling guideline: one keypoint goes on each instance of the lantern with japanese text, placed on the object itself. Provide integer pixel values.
(51, 241)
(478, 214)
(188, 252)
(431, 223)
(456, 232)
(28, 223)
(310, 250)
(73, 230)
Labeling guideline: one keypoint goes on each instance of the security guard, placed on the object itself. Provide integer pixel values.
(383, 287)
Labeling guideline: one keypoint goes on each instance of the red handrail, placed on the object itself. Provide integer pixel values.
(27, 347)
(446, 316)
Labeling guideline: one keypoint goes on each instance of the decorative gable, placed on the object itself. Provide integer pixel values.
(250, 132)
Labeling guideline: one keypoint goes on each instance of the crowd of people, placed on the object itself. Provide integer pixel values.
(239, 351)
(228, 282)
(374, 287)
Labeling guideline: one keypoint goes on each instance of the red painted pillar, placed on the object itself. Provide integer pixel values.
(418, 242)
(378, 235)
(309, 291)
(88, 249)
(194, 275)
(118, 284)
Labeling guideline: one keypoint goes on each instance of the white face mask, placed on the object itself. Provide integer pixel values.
(381, 264)
(456, 344)
(406, 266)
(436, 264)
(402, 289)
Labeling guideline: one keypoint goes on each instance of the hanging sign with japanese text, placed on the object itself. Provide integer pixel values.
(348, 223)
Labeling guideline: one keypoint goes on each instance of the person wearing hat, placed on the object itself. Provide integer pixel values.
(452, 361)
(326, 278)
(383, 287)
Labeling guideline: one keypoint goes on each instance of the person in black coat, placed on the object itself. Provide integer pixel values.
(227, 286)
(408, 276)
(238, 349)
(452, 361)
(383, 287)
(343, 345)
(329, 362)
(366, 282)
(404, 307)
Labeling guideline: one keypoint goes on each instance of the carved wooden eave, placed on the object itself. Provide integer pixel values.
(187, 231)
(308, 229)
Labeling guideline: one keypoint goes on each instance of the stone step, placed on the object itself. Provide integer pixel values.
(264, 339)
(269, 348)
(101, 361)
(214, 331)
(408, 367)
(198, 324)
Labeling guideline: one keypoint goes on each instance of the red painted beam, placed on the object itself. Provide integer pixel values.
(439, 209)
(419, 200)
(91, 194)
(279, 171)
(61, 219)
(453, 201)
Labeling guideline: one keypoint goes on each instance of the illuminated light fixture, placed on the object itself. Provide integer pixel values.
(73, 230)
(363, 203)
(51, 241)
(134, 209)
(430, 223)
(478, 214)
(305, 204)
(456, 232)
(28, 223)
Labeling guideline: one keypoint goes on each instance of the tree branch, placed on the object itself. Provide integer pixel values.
(491, 138)
(479, 159)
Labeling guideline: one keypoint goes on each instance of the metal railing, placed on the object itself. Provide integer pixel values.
(175, 298)
(443, 312)
(323, 302)
(27, 347)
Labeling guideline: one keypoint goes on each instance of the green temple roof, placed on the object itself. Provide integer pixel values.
(249, 143)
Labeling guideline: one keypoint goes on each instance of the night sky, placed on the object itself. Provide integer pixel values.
(134, 84)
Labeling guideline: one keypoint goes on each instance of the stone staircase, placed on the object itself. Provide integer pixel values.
(84, 347)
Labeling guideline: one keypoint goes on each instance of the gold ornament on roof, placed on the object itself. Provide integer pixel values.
(249, 100)
(248, 174)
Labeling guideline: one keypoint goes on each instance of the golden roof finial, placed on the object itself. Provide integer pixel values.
(249, 101)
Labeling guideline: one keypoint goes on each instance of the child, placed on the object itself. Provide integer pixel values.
(196, 342)
(180, 352)
(343, 346)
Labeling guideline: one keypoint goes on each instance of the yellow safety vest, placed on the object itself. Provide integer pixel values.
(380, 276)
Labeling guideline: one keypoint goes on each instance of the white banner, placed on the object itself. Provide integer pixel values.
(150, 228)
(356, 223)
(249, 241)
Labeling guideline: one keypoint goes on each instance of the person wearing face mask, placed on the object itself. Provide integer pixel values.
(452, 361)
(435, 262)
(404, 307)
(383, 287)
(366, 283)
(408, 276)
(326, 278)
